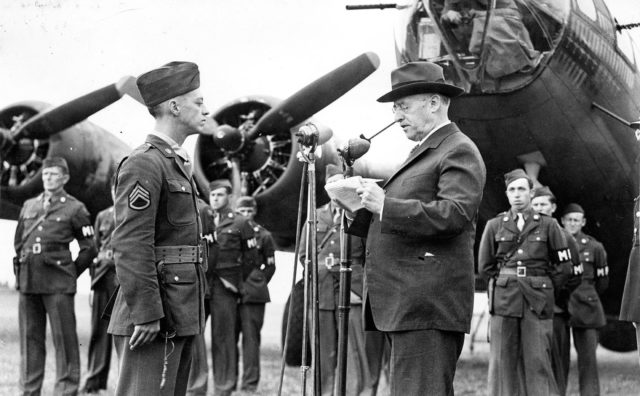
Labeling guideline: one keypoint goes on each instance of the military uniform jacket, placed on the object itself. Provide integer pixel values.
(46, 265)
(328, 240)
(532, 252)
(254, 288)
(208, 241)
(155, 206)
(584, 304)
(237, 249)
(103, 269)
(630, 306)
(419, 266)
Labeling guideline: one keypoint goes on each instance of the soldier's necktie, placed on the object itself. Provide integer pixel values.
(46, 203)
(182, 153)
(520, 222)
(216, 218)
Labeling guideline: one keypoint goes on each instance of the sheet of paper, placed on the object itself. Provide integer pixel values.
(344, 191)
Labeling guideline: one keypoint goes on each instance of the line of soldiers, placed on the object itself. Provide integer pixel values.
(543, 280)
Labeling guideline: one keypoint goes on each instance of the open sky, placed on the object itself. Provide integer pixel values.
(56, 50)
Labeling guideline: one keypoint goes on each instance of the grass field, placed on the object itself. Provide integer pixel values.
(619, 372)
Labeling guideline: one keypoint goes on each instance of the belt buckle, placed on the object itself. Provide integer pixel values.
(521, 272)
(36, 248)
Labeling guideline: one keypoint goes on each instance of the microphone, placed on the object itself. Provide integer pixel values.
(309, 133)
(354, 149)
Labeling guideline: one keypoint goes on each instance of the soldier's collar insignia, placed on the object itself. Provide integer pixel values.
(63, 199)
(139, 197)
(584, 240)
(256, 228)
(230, 215)
(536, 217)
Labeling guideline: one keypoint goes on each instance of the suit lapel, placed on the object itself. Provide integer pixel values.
(432, 141)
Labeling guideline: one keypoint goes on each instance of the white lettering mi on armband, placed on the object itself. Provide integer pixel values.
(563, 255)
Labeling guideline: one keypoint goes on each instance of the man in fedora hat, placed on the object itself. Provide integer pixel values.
(420, 229)
(159, 307)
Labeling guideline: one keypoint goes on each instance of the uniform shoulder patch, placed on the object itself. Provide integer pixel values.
(139, 197)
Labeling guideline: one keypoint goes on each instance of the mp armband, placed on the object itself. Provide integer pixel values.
(563, 255)
(578, 269)
(252, 243)
(601, 272)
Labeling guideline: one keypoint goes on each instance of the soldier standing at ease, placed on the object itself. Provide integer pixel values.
(255, 294)
(630, 306)
(156, 241)
(46, 278)
(544, 201)
(236, 251)
(517, 253)
(586, 311)
(103, 285)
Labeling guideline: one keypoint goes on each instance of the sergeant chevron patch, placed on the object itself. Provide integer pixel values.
(139, 197)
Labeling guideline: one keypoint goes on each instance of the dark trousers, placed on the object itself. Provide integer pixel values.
(377, 350)
(560, 351)
(100, 344)
(140, 370)
(423, 362)
(251, 317)
(520, 356)
(33, 310)
(224, 350)
(199, 373)
(586, 341)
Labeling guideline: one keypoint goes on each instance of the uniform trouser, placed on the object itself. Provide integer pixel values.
(32, 312)
(359, 378)
(520, 356)
(423, 362)
(586, 341)
(251, 317)
(99, 359)
(224, 350)
(140, 370)
(637, 326)
(560, 351)
(199, 372)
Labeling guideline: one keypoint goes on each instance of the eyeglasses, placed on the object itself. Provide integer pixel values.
(404, 107)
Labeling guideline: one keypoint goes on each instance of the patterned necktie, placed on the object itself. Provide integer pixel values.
(520, 222)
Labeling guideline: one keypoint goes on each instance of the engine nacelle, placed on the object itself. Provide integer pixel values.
(271, 171)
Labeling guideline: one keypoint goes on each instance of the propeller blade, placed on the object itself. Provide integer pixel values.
(68, 114)
(315, 96)
(127, 85)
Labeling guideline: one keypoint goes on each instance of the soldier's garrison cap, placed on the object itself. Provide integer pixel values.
(515, 175)
(246, 202)
(543, 191)
(573, 208)
(56, 161)
(168, 81)
(220, 183)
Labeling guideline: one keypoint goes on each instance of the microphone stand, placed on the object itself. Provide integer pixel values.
(310, 142)
(344, 304)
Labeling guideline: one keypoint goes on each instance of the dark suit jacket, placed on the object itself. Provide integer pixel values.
(419, 257)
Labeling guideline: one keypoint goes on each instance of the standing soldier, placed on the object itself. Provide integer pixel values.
(255, 294)
(544, 201)
(587, 314)
(46, 277)
(236, 251)
(517, 253)
(328, 236)
(103, 285)
(156, 241)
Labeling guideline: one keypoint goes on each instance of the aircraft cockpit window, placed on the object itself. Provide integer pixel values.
(484, 45)
(626, 45)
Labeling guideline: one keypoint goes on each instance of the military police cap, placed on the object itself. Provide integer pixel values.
(56, 161)
(543, 191)
(515, 175)
(220, 183)
(246, 202)
(573, 208)
(166, 82)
